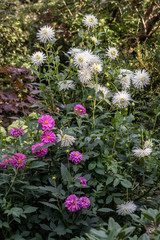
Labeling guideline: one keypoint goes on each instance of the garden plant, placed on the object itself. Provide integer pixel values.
(82, 167)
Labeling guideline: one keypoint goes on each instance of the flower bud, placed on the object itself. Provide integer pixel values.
(54, 178)
(133, 104)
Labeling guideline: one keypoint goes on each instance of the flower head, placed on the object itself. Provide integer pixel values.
(84, 202)
(46, 34)
(38, 58)
(48, 137)
(90, 21)
(47, 122)
(140, 79)
(76, 157)
(66, 85)
(79, 109)
(84, 75)
(18, 160)
(4, 164)
(148, 144)
(39, 152)
(72, 203)
(94, 40)
(125, 81)
(96, 68)
(17, 132)
(122, 99)
(126, 208)
(139, 152)
(112, 53)
(74, 51)
(66, 140)
(80, 59)
(83, 181)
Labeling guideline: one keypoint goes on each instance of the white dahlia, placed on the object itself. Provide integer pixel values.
(38, 58)
(126, 208)
(112, 53)
(80, 60)
(66, 85)
(94, 40)
(148, 144)
(122, 99)
(140, 79)
(139, 152)
(66, 140)
(74, 51)
(90, 21)
(96, 68)
(84, 75)
(46, 34)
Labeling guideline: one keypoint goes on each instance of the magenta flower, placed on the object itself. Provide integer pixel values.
(39, 152)
(4, 164)
(47, 122)
(17, 132)
(79, 109)
(72, 203)
(75, 157)
(18, 160)
(84, 202)
(48, 137)
(83, 181)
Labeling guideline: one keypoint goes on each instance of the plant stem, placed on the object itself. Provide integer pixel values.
(12, 183)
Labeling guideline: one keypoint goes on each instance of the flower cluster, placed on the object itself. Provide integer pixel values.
(17, 160)
(79, 110)
(73, 203)
(76, 157)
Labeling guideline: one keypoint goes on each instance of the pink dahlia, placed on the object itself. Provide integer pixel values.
(18, 160)
(72, 203)
(83, 181)
(48, 137)
(84, 202)
(39, 152)
(17, 132)
(4, 164)
(79, 109)
(47, 122)
(75, 157)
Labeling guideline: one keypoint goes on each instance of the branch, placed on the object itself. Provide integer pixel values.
(67, 8)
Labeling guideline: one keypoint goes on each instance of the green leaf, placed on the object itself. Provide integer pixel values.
(30, 209)
(92, 165)
(65, 173)
(127, 184)
(105, 210)
(50, 205)
(37, 164)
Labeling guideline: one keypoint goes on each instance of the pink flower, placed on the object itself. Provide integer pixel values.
(17, 132)
(83, 181)
(84, 202)
(4, 164)
(18, 160)
(79, 109)
(76, 157)
(72, 203)
(39, 152)
(48, 137)
(47, 122)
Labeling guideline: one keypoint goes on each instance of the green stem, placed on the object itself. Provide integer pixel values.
(12, 183)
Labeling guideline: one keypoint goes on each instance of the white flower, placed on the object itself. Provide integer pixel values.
(66, 85)
(105, 92)
(96, 68)
(95, 59)
(80, 60)
(90, 21)
(139, 152)
(125, 78)
(112, 53)
(45, 34)
(74, 51)
(122, 99)
(84, 75)
(126, 208)
(66, 140)
(148, 144)
(38, 58)
(141, 79)
(126, 72)
(94, 40)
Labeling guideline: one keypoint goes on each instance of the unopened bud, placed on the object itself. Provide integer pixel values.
(107, 84)
(71, 61)
(20, 95)
(133, 104)
(67, 151)
(54, 178)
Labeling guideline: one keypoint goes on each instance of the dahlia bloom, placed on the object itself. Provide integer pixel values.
(140, 79)
(17, 132)
(122, 99)
(148, 144)
(38, 58)
(74, 51)
(66, 140)
(72, 203)
(76, 157)
(139, 152)
(79, 109)
(4, 164)
(66, 85)
(83, 181)
(46, 33)
(126, 208)
(84, 75)
(18, 160)
(39, 152)
(90, 21)
(84, 202)
(48, 137)
(112, 53)
(47, 122)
